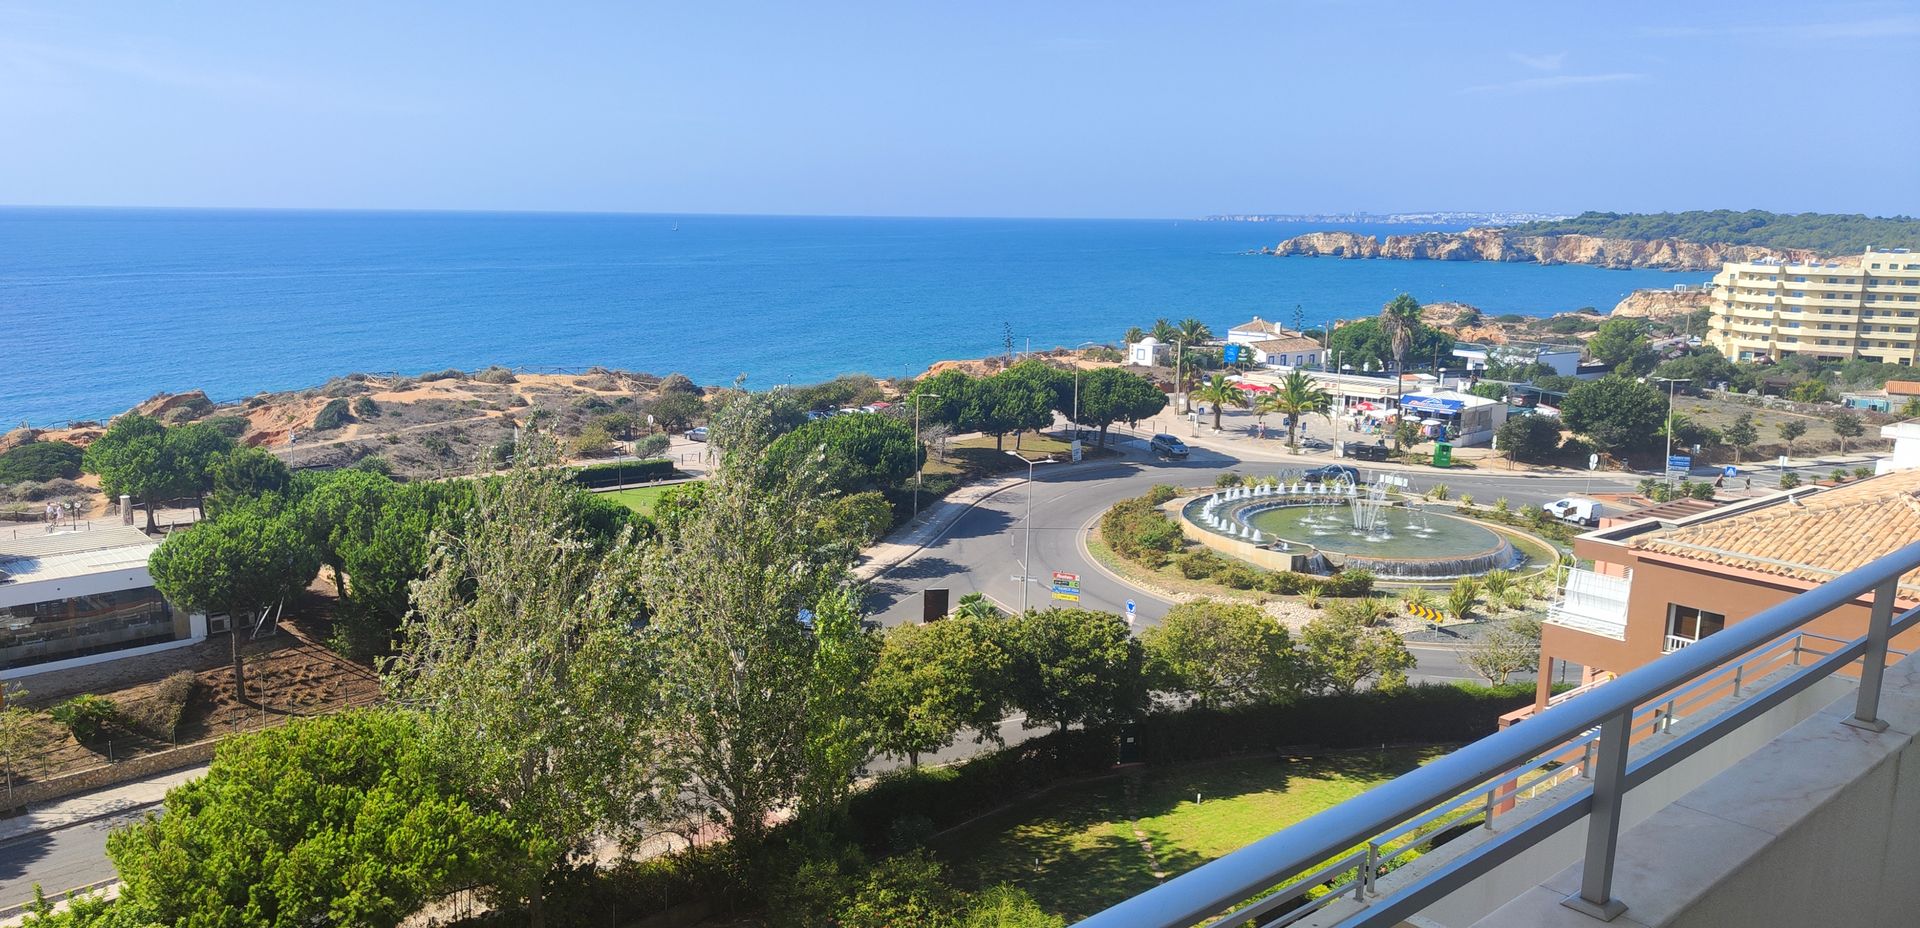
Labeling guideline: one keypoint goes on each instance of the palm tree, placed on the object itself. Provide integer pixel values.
(1164, 332)
(1296, 397)
(1193, 332)
(1133, 335)
(1399, 321)
(1220, 391)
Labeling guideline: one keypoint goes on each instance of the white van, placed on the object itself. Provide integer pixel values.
(1574, 509)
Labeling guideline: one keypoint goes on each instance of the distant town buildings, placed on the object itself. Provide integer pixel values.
(1837, 311)
(1439, 218)
(1275, 346)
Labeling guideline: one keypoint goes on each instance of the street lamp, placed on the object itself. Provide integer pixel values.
(1075, 418)
(1670, 381)
(919, 452)
(1026, 577)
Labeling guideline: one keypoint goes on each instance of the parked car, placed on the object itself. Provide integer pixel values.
(1315, 444)
(1364, 452)
(1331, 472)
(1574, 509)
(1167, 445)
(697, 434)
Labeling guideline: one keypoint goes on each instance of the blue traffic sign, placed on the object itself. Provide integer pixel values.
(1129, 607)
(1230, 354)
(1679, 463)
(1729, 471)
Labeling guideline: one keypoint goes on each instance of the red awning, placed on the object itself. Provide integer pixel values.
(1252, 387)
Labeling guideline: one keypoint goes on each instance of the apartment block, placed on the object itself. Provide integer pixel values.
(1866, 308)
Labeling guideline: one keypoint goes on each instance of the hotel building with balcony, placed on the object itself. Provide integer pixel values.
(1866, 307)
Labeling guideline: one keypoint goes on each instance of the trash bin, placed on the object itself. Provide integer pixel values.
(1442, 454)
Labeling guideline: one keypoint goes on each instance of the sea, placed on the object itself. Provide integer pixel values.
(102, 308)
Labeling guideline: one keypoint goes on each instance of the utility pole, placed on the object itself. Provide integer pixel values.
(920, 453)
(1026, 558)
(1667, 465)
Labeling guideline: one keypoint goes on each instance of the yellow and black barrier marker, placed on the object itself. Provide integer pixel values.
(1427, 612)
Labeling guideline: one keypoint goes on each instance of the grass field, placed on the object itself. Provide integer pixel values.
(638, 499)
(973, 457)
(1719, 414)
(1075, 848)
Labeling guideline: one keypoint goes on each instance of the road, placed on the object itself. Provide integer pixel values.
(70, 858)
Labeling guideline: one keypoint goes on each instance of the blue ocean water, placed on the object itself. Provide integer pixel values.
(100, 309)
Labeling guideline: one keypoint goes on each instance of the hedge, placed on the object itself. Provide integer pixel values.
(40, 461)
(947, 796)
(612, 474)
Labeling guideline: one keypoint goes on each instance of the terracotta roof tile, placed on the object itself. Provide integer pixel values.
(1260, 325)
(1812, 537)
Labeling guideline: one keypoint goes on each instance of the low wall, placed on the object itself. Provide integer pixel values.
(138, 768)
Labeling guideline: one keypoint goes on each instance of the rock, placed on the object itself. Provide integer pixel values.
(1662, 304)
(1505, 245)
(175, 408)
(20, 436)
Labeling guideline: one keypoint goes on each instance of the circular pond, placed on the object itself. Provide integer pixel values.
(1343, 528)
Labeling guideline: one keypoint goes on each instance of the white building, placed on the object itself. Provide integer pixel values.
(1468, 419)
(1275, 346)
(1906, 447)
(1564, 362)
(68, 599)
(1149, 352)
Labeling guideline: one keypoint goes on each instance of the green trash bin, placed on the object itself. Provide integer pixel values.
(1442, 454)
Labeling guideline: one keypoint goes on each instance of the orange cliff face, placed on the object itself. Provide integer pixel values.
(1501, 245)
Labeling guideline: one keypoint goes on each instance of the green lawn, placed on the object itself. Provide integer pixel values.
(638, 499)
(1075, 849)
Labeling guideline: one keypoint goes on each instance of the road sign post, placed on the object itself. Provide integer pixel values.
(1066, 586)
(1130, 615)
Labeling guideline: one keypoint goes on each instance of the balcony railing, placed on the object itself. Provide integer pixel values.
(1588, 736)
(1675, 643)
(1593, 602)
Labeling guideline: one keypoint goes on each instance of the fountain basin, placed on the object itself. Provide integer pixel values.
(1333, 533)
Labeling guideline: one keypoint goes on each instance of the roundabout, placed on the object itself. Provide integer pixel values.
(1322, 528)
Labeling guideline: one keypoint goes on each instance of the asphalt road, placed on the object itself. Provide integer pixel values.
(70, 858)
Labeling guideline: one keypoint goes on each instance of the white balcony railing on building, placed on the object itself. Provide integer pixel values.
(1593, 602)
(1675, 643)
(1586, 736)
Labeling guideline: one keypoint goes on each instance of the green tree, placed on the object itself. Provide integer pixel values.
(1364, 343)
(1742, 435)
(1616, 412)
(854, 453)
(1810, 391)
(726, 654)
(1220, 392)
(1164, 331)
(1790, 432)
(1622, 343)
(936, 680)
(1109, 395)
(1193, 332)
(130, 459)
(1297, 397)
(1071, 666)
(246, 473)
(521, 655)
(1400, 323)
(1225, 654)
(1847, 425)
(907, 889)
(241, 562)
(1007, 402)
(1528, 438)
(1407, 434)
(676, 410)
(1134, 334)
(340, 820)
(1341, 654)
(1508, 647)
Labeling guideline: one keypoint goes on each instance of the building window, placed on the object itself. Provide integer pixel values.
(1686, 625)
(36, 633)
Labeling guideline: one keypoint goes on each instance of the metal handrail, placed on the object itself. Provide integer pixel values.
(1217, 886)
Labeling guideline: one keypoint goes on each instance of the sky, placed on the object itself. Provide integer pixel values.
(1061, 108)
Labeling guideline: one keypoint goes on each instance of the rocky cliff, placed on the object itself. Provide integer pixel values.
(1502, 245)
(1660, 305)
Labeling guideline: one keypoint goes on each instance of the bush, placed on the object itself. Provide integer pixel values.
(607, 475)
(366, 408)
(1200, 565)
(451, 373)
(652, 446)
(1228, 479)
(1355, 582)
(40, 461)
(861, 518)
(1138, 531)
(1161, 494)
(592, 442)
(495, 374)
(160, 716)
(332, 416)
(230, 426)
(86, 715)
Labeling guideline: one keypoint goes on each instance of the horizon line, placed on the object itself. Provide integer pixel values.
(478, 211)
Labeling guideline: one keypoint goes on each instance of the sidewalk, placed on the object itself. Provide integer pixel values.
(78, 810)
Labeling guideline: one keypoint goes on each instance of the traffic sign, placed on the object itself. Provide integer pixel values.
(1729, 471)
(1593, 462)
(1129, 612)
(1230, 354)
(1066, 586)
(1679, 464)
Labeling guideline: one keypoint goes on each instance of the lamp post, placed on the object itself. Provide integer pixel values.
(1670, 381)
(1074, 419)
(1026, 558)
(919, 453)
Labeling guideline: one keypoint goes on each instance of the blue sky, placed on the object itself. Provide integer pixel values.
(1060, 108)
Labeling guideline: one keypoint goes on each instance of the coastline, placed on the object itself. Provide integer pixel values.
(1505, 246)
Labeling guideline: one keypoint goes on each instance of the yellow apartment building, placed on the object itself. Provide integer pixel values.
(1866, 308)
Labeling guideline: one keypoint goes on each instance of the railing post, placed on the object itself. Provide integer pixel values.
(1873, 664)
(1488, 825)
(1586, 761)
(1373, 865)
(1363, 880)
(1737, 670)
(1603, 822)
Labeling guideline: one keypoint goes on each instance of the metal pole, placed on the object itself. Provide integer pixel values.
(1026, 559)
(1873, 666)
(1603, 822)
(918, 455)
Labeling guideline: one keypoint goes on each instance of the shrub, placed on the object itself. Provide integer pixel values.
(332, 416)
(860, 517)
(1863, 472)
(1701, 490)
(1461, 598)
(1139, 531)
(1228, 479)
(651, 446)
(86, 715)
(451, 373)
(366, 408)
(1439, 491)
(607, 475)
(230, 426)
(1839, 475)
(1466, 501)
(1200, 565)
(40, 461)
(160, 716)
(592, 442)
(1356, 582)
(1161, 494)
(1239, 577)
(495, 374)
(1789, 481)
